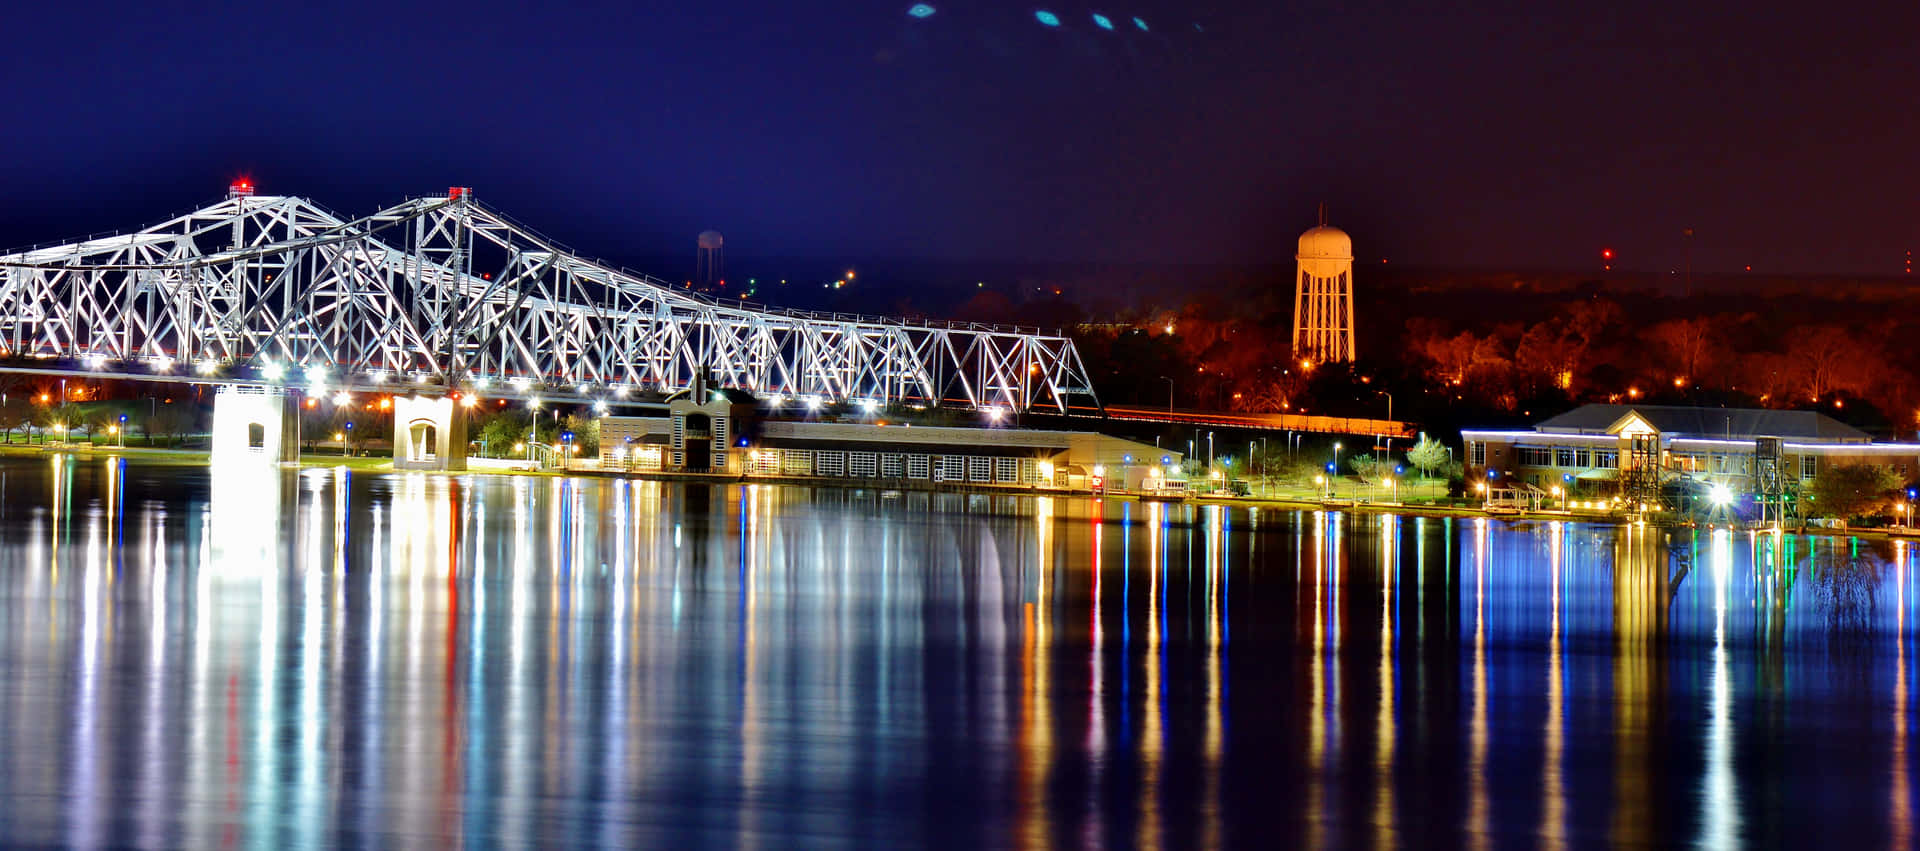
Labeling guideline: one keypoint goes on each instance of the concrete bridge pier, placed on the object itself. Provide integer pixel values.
(429, 433)
(255, 425)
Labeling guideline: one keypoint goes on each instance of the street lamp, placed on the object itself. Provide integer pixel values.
(1169, 393)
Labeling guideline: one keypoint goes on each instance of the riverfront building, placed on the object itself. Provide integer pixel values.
(732, 440)
(1586, 450)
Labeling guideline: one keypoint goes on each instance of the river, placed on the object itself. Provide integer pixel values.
(261, 658)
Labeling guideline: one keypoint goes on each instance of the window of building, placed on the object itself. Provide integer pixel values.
(1583, 458)
(1563, 457)
(1608, 459)
(1809, 466)
(1479, 450)
(1532, 456)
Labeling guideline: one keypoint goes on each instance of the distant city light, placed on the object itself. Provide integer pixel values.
(1046, 17)
(1102, 21)
(1141, 24)
(921, 10)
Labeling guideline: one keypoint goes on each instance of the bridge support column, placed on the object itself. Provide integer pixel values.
(429, 434)
(255, 425)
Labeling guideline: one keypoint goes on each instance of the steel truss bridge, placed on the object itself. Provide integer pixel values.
(443, 293)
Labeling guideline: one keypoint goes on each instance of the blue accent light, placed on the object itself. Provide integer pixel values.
(919, 10)
(1102, 21)
(1141, 24)
(1166, 459)
(1493, 474)
(1126, 459)
(1566, 477)
(1397, 469)
(1329, 466)
(1046, 17)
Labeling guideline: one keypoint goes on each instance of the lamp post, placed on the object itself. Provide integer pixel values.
(1389, 418)
(1169, 393)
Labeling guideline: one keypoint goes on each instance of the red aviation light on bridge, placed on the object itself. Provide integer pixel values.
(457, 193)
(241, 188)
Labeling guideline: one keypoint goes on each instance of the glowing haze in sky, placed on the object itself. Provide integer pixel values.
(1462, 135)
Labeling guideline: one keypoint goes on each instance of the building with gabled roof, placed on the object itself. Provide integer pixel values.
(1586, 450)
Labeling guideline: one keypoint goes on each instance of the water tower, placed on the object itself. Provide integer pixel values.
(1323, 294)
(707, 265)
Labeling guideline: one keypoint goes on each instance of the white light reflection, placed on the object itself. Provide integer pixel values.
(1553, 804)
(1479, 807)
(1386, 830)
(1900, 807)
(1719, 799)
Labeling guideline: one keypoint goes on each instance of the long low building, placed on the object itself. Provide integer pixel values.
(1589, 446)
(725, 434)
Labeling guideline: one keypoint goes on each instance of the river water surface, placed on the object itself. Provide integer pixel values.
(205, 659)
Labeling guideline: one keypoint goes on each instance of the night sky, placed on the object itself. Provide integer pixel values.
(1520, 135)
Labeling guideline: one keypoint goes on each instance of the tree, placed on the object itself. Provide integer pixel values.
(1369, 468)
(585, 431)
(502, 430)
(1428, 455)
(1688, 344)
(15, 413)
(168, 421)
(1852, 490)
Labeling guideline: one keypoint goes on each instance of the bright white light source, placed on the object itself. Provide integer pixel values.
(343, 398)
(378, 376)
(520, 383)
(813, 403)
(600, 408)
(469, 400)
(995, 414)
(96, 361)
(1719, 495)
(272, 371)
(316, 374)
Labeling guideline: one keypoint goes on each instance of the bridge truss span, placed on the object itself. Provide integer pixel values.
(446, 292)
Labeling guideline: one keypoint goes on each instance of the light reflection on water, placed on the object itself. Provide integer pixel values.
(333, 658)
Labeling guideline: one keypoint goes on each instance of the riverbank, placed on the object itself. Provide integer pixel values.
(1285, 502)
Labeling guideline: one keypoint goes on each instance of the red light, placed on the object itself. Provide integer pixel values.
(1606, 254)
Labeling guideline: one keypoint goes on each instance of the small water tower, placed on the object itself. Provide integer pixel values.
(707, 265)
(1323, 294)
